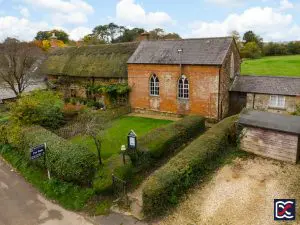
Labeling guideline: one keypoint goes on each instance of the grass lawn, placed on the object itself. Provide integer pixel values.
(116, 134)
(273, 65)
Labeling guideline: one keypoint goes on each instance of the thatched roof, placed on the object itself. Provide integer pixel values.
(90, 61)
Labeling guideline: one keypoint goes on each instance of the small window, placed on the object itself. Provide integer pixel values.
(277, 101)
(232, 66)
(183, 88)
(154, 85)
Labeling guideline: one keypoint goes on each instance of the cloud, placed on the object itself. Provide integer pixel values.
(64, 11)
(24, 12)
(229, 3)
(130, 13)
(267, 22)
(285, 4)
(20, 28)
(79, 32)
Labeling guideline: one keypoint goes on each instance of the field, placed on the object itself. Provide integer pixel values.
(116, 134)
(273, 65)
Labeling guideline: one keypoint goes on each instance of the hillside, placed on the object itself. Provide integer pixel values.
(273, 65)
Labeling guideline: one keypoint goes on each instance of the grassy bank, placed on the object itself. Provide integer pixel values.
(273, 65)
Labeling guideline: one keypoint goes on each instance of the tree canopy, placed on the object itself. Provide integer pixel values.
(45, 35)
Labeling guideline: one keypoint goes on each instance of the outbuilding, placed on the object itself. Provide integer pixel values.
(270, 135)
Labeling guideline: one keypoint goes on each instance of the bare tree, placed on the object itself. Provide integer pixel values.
(19, 62)
(89, 123)
(94, 128)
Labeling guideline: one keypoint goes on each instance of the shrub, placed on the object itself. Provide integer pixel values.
(165, 139)
(40, 108)
(69, 162)
(251, 50)
(166, 184)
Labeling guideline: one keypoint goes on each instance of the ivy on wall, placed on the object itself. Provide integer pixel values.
(112, 90)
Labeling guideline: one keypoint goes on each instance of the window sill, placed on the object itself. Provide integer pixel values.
(183, 99)
(155, 96)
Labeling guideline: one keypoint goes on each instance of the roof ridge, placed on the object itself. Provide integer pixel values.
(187, 39)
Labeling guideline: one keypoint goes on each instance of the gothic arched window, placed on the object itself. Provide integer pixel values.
(154, 85)
(183, 87)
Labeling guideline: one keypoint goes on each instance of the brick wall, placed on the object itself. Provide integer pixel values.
(261, 102)
(203, 81)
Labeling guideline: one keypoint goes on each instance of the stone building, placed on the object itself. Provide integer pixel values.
(265, 93)
(77, 70)
(191, 76)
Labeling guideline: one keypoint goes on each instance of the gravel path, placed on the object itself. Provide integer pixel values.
(240, 193)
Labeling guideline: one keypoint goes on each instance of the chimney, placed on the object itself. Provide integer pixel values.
(144, 36)
(53, 41)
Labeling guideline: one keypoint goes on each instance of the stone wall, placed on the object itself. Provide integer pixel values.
(226, 80)
(261, 102)
(76, 86)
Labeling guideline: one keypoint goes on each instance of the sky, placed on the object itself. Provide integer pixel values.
(274, 20)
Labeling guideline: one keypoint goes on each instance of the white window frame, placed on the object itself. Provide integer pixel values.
(154, 85)
(277, 101)
(183, 88)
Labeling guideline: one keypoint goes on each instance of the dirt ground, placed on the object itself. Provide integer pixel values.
(242, 192)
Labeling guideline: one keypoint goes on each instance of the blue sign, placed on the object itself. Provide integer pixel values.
(284, 209)
(37, 151)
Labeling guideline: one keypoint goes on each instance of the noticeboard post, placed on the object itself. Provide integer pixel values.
(132, 140)
(39, 151)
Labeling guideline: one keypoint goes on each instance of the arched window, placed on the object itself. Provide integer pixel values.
(154, 85)
(232, 66)
(183, 88)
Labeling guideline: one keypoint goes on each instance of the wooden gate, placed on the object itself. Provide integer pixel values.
(119, 189)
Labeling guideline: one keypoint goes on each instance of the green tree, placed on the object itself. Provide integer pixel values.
(40, 107)
(251, 50)
(45, 35)
(250, 36)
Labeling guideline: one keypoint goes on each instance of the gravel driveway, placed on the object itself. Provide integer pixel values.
(240, 193)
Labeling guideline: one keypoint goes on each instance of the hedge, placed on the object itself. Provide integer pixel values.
(163, 188)
(69, 162)
(165, 139)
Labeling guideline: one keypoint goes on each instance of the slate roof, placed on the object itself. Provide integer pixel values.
(267, 85)
(204, 51)
(7, 93)
(272, 121)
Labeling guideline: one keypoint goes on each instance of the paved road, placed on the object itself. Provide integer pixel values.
(21, 204)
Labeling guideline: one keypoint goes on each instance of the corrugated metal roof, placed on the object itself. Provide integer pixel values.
(267, 85)
(204, 51)
(272, 121)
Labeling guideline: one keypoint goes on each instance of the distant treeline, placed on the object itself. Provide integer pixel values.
(252, 46)
(290, 48)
